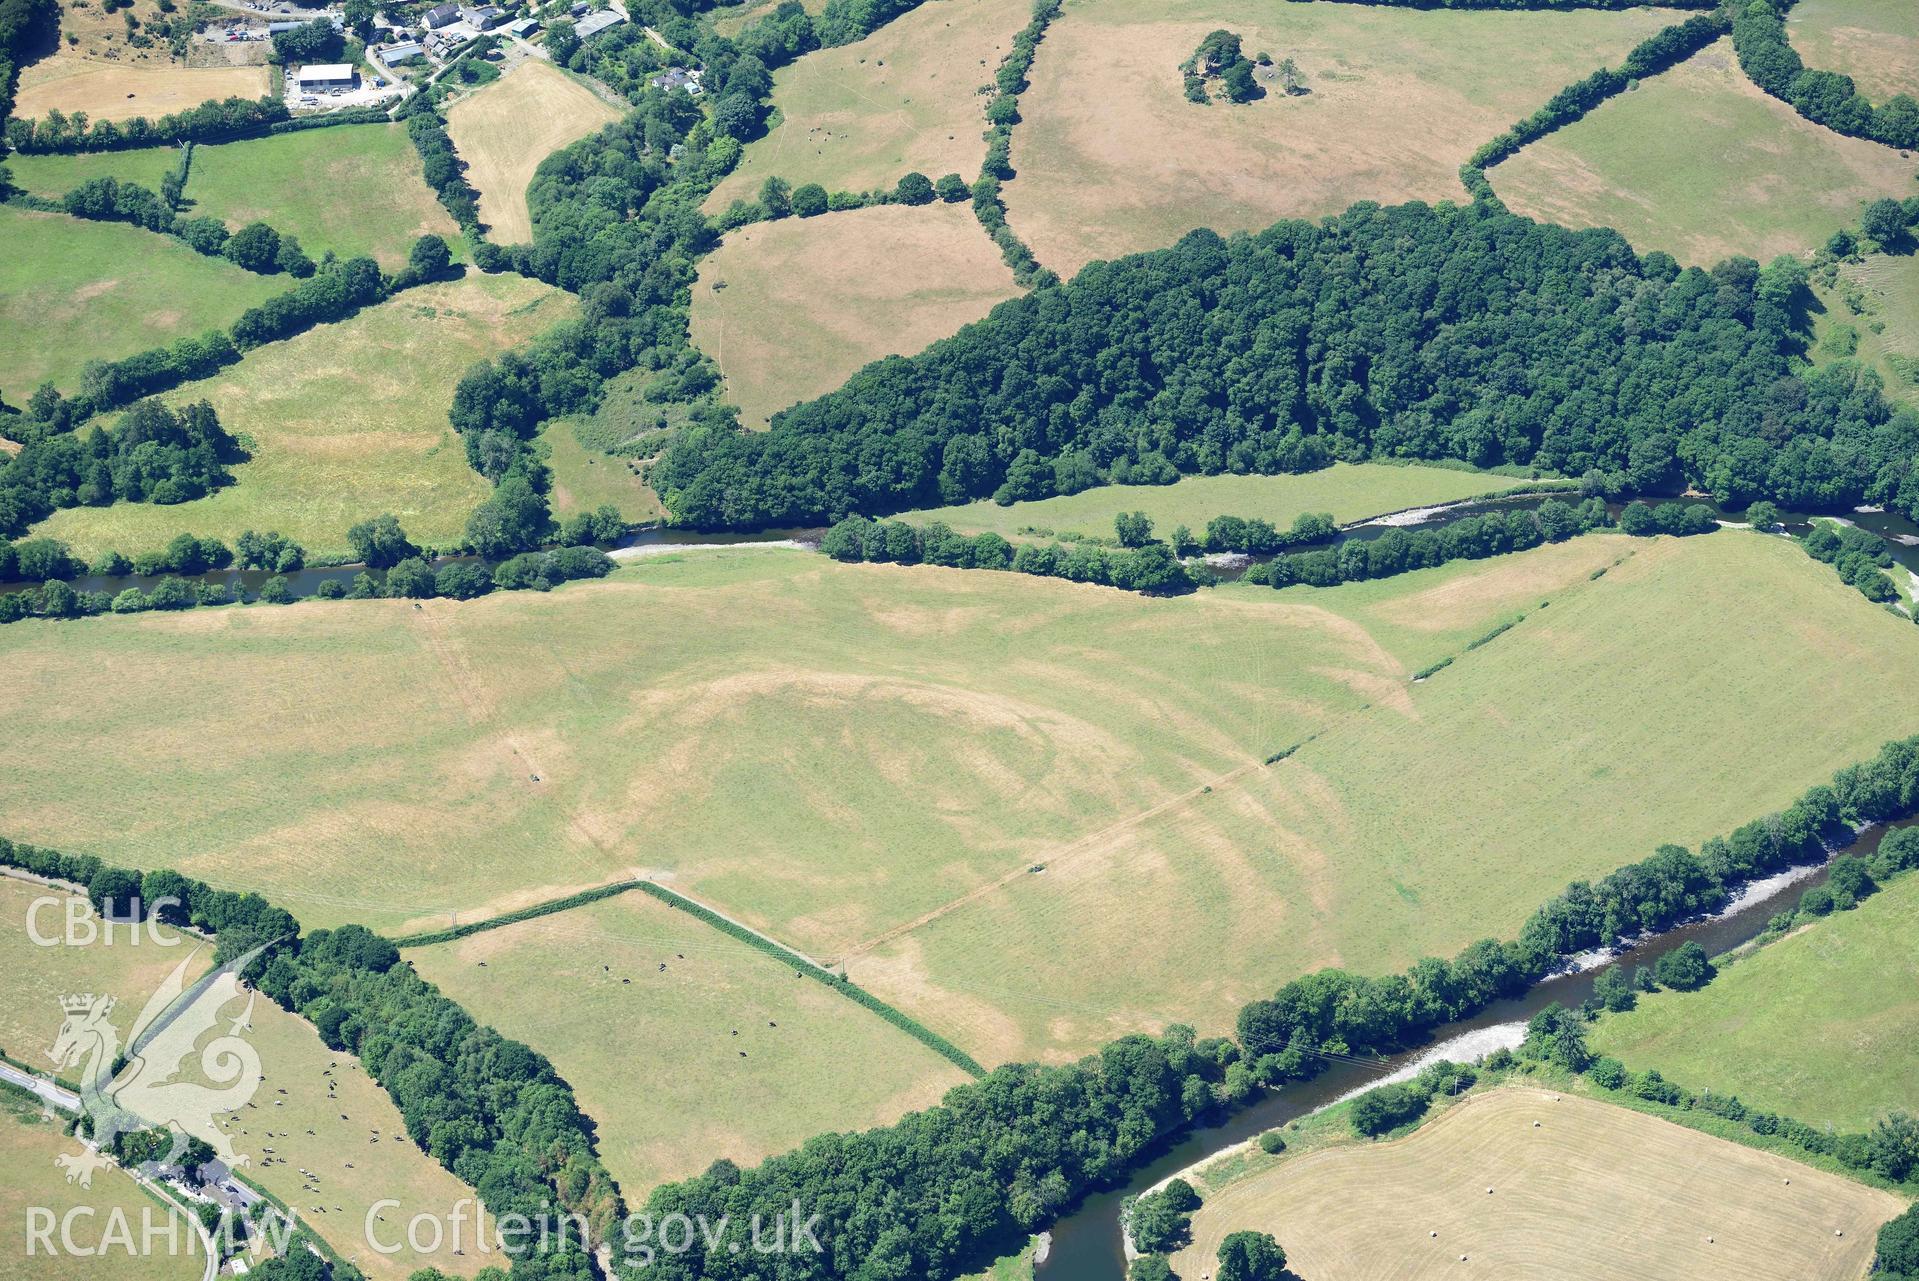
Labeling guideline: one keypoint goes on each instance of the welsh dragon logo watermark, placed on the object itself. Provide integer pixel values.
(145, 1093)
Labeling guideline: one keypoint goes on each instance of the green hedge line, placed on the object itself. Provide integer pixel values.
(906, 1023)
(513, 918)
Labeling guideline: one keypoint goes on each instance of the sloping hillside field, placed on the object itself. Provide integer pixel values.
(1113, 159)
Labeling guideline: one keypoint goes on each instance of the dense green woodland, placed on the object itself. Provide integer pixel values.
(1408, 331)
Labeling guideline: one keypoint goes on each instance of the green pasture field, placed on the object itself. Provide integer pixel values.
(354, 190)
(1822, 1025)
(1700, 163)
(1112, 159)
(585, 478)
(346, 421)
(1517, 1180)
(54, 175)
(1884, 332)
(1447, 810)
(74, 291)
(1350, 491)
(684, 1044)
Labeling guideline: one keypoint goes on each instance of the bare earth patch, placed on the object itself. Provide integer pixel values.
(1701, 164)
(1113, 159)
(789, 309)
(505, 130)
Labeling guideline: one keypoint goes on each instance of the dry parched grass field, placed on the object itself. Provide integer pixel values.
(1113, 159)
(868, 761)
(347, 421)
(905, 98)
(1521, 1182)
(113, 91)
(789, 309)
(1446, 810)
(507, 128)
(1876, 42)
(1700, 163)
(684, 1044)
(355, 1167)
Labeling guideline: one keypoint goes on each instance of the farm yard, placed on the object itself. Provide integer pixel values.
(1113, 159)
(355, 190)
(668, 1026)
(347, 421)
(905, 98)
(1349, 491)
(789, 309)
(124, 288)
(1699, 163)
(1594, 1190)
(1822, 1025)
(507, 128)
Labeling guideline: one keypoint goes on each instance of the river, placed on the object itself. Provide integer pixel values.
(1086, 1245)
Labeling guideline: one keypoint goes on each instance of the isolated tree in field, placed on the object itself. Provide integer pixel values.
(1133, 529)
(429, 257)
(1884, 221)
(809, 200)
(1558, 1035)
(380, 542)
(1685, 967)
(952, 188)
(1238, 83)
(1763, 515)
(915, 189)
(1613, 991)
(776, 197)
(255, 247)
(1251, 1256)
